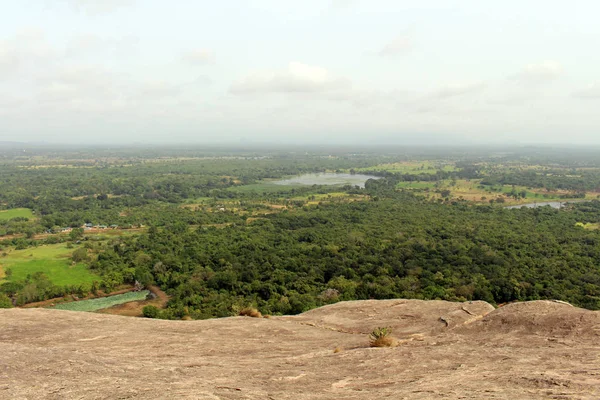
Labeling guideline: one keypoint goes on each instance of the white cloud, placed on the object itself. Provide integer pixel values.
(591, 92)
(98, 7)
(399, 45)
(159, 89)
(86, 44)
(459, 89)
(297, 78)
(79, 85)
(198, 57)
(543, 72)
(9, 61)
(25, 49)
(340, 4)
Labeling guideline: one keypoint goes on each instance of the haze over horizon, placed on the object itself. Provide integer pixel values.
(260, 71)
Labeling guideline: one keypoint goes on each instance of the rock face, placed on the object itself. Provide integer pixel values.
(530, 350)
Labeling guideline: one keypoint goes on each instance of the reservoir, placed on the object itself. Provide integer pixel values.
(327, 178)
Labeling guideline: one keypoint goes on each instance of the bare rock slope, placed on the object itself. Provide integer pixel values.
(530, 350)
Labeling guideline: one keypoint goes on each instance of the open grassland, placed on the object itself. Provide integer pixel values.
(52, 260)
(16, 212)
(264, 187)
(102, 302)
(259, 208)
(313, 199)
(473, 190)
(412, 167)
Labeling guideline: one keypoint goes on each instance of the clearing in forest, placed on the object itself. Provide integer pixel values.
(53, 260)
(16, 212)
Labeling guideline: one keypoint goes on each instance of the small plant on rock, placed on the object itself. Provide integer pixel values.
(381, 337)
(250, 312)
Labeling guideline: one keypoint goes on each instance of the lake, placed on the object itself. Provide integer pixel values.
(327, 178)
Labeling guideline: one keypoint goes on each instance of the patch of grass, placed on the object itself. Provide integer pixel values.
(588, 226)
(52, 260)
(250, 312)
(16, 212)
(103, 302)
(381, 337)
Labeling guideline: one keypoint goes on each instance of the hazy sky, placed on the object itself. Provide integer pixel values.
(372, 71)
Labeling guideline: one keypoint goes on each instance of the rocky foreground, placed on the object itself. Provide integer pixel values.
(530, 350)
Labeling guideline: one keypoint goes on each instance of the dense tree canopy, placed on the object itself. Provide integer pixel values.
(286, 250)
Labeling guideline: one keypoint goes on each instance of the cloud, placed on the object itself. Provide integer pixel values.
(399, 45)
(9, 61)
(591, 92)
(543, 72)
(98, 7)
(86, 44)
(26, 49)
(458, 89)
(341, 4)
(79, 85)
(297, 78)
(159, 89)
(198, 57)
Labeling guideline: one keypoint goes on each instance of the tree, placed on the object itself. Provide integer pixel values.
(76, 234)
(80, 255)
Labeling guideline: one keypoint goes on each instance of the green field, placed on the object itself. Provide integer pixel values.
(52, 260)
(16, 212)
(102, 302)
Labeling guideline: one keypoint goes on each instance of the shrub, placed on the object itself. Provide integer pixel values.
(381, 337)
(250, 312)
(80, 255)
(5, 301)
(150, 311)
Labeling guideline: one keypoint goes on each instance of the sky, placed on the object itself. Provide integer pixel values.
(311, 71)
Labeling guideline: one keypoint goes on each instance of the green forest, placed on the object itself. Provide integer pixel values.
(214, 230)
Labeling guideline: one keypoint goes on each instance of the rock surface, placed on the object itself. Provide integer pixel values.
(533, 350)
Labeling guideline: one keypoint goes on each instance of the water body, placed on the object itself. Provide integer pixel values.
(327, 178)
(553, 204)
